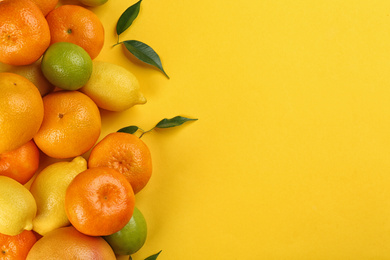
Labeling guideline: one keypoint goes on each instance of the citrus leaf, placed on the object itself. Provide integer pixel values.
(144, 53)
(129, 129)
(153, 257)
(127, 18)
(175, 121)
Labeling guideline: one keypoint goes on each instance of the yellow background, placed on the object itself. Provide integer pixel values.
(290, 156)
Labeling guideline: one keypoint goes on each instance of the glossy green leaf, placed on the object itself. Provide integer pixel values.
(153, 257)
(144, 53)
(175, 121)
(129, 129)
(127, 18)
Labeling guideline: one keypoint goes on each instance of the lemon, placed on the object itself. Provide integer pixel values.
(93, 2)
(113, 87)
(49, 188)
(34, 74)
(66, 65)
(17, 207)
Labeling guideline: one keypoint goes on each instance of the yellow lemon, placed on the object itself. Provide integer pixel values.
(49, 189)
(113, 87)
(17, 207)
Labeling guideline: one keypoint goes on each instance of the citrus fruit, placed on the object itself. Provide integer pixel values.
(66, 65)
(21, 111)
(71, 124)
(99, 201)
(46, 5)
(68, 243)
(93, 2)
(48, 189)
(78, 25)
(125, 153)
(131, 237)
(112, 87)
(34, 74)
(16, 247)
(24, 32)
(17, 207)
(20, 164)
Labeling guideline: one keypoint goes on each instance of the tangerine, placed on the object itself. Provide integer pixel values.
(125, 153)
(99, 201)
(20, 164)
(68, 243)
(78, 25)
(46, 5)
(16, 247)
(21, 111)
(24, 32)
(71, 124)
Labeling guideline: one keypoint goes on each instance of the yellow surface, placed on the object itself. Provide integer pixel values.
(290, 156)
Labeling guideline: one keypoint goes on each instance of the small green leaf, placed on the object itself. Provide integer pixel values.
(153, 257)
(127, 18)
(129, 129)
(144, 53)
(175, 121)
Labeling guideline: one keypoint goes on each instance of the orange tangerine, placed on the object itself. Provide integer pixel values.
(24, 32)
(99, 201)
(78, 25)
(16, 247)
(125, 153)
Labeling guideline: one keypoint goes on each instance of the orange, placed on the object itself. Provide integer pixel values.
(127, 154)
(24, 32)
(68, 243)
(71, 124)
(20, 164)
(78, 25)
(21, 111)
(46, 5)
(16, 247)
(99, 201)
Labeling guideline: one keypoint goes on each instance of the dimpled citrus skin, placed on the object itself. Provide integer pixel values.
(17, 207)
(24, 32)
(71, 124)
(66, 65)
(21, 111)
(49, 188)
(113, 87)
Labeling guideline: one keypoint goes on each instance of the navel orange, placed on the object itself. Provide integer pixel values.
(24, 32)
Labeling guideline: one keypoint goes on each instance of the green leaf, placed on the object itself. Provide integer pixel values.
(127, 18)
(144, 53)
(175, 121)
(153, 257)
(129, 129)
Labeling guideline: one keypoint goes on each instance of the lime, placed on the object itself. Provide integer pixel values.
(93, 2)
(66, 65)
(131, 237)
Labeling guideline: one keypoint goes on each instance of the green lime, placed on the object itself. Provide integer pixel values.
(131, 237)
(93, 2)
(66, 65)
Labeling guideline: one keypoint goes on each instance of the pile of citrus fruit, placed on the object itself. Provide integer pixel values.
(52, 90)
